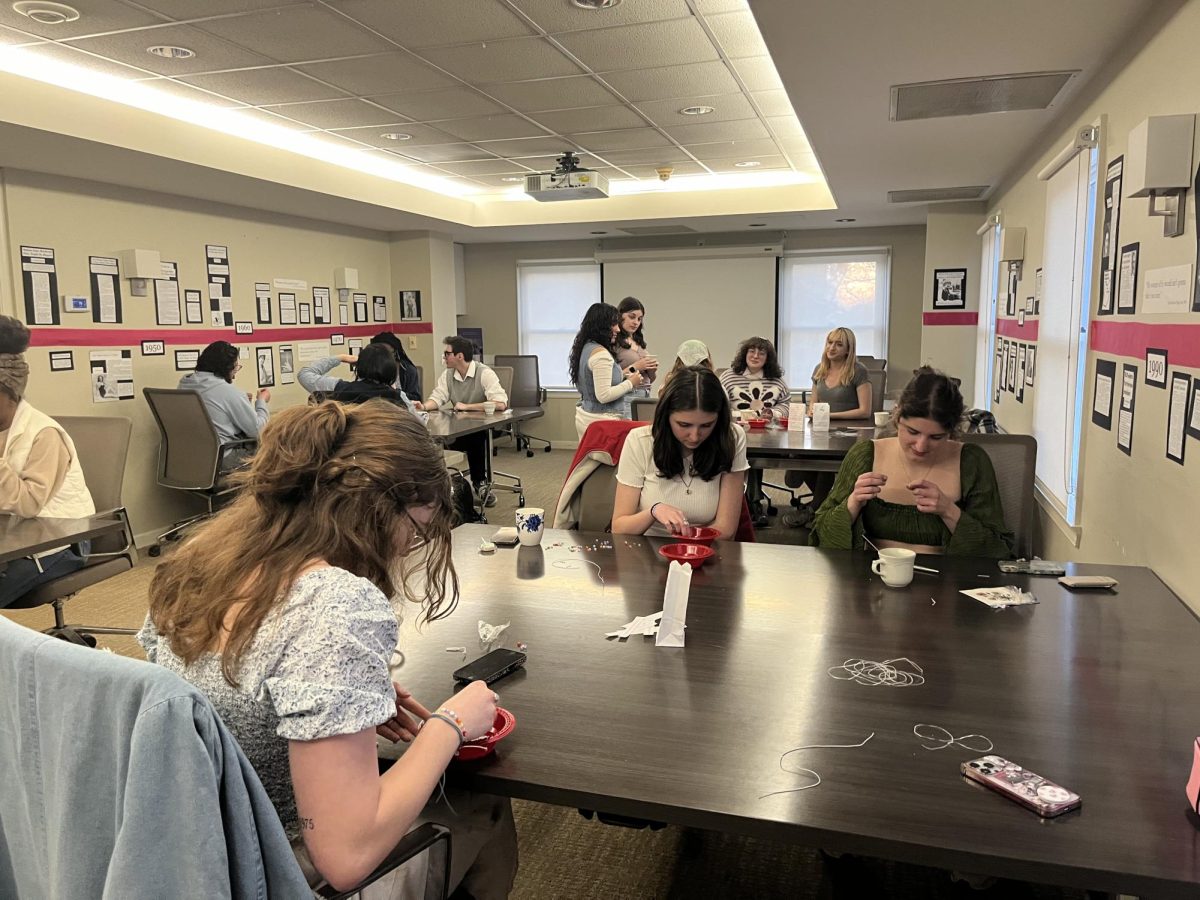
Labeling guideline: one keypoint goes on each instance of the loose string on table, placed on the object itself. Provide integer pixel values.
(866, 671)
(575, 564)
(940, 738)
(804, 770)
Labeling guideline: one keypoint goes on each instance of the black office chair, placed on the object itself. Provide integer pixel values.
(189, 453)
(102, 443)
(527, 391)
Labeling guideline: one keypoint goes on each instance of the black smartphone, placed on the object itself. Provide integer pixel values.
(490, 667)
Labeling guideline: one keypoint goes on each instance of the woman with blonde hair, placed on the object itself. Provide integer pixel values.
(841, 380)
(279, 609)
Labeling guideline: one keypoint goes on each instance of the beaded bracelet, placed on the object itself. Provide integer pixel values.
(450, 717)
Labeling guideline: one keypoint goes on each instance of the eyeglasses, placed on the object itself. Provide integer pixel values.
(447, 353)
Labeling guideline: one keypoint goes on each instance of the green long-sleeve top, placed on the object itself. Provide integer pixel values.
(980, 530)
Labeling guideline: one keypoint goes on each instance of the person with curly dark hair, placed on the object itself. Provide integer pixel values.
(631, 344)
(232, 416)
(754, 382)
(603, 388)
(40, 475)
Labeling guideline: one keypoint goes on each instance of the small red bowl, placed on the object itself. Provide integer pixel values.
(693, 554)
(783, 423)
(758, 424)
(697, 534)
(503, 725)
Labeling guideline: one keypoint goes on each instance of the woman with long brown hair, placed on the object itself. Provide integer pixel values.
(279, 609)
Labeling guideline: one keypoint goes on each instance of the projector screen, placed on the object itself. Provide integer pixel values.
(719, 301)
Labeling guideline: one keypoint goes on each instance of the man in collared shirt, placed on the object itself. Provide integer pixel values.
(465, 386)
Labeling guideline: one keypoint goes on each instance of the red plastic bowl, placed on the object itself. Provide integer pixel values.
(758, 424)
(697, 534)
(783, 423)
(503, 725)
(693, 554)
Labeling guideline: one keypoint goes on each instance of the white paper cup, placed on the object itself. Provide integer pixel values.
(895, 566)
(489, 407)
(882, 419)
(531, 522)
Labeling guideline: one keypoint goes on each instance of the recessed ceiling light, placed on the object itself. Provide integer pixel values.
(845, 220)
(513, 178)
(396, 136)
(758, 224)
(593, 5)
(747, 164)
(45, 12)
(169, 52)
(698, 110)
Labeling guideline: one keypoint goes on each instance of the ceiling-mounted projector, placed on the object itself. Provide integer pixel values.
(567, 182)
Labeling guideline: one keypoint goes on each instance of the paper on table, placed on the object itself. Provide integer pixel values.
(1000, 597)
(641, 625)
(675, 601)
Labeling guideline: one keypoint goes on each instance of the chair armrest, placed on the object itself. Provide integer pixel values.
(128, 550)
(541, 396)
(240, 442)
(419, 839)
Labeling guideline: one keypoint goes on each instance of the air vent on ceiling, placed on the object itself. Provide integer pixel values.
(933, 195)
(972, 96)
(658, 229)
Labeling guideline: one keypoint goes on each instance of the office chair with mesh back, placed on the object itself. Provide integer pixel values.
(189, 453)
(102, 443)
(527, 391)
(505, 376)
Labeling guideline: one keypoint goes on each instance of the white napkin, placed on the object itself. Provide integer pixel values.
(641, 625)
(489, 633)
(675, 601)
(820, 417)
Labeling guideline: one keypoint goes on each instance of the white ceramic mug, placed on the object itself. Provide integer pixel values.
(882, 419)
(489, 407)
(895, 566)
(531, 522)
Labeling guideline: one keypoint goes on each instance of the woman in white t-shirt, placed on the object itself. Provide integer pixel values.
(688, 467)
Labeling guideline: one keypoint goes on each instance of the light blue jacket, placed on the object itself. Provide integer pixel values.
(118, 780)
(232, 415)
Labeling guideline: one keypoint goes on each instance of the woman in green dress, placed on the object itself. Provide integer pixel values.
(921, 489)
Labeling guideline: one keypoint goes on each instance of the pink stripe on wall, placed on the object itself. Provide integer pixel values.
(1182, 342)
(104, 336)
(1010, 329)
(950, 318)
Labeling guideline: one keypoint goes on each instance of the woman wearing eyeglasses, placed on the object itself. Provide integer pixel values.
(230, 410)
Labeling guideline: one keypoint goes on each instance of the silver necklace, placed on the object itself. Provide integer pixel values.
(687, 482)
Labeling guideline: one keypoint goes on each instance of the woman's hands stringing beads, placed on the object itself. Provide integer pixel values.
(670, 517)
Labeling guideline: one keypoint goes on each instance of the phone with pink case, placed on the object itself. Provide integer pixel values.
(1032, 791)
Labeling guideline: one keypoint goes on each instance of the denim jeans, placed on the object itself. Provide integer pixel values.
(21, 576)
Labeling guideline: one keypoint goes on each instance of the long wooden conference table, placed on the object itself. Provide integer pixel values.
(25, 537)
(817, 451)
(1092, 690)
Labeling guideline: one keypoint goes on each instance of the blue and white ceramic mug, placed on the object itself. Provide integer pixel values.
(531, 522)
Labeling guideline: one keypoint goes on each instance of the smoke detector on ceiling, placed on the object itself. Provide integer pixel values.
(593, 5)
(46, 13)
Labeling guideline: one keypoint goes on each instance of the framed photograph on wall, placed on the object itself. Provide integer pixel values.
(410, 306)
(949, 288)
(265, 363)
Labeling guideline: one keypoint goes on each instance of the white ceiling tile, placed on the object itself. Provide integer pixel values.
(483, 128)
(596, 118)
(258, 87)
(445, 153)
(9, 37)
(212, 52)
(758, 72)
(679, 168)
(498, 181)
(451, 103)
(640, 46)
(669, 82)
(630, 139)
(336, 113)
(711, 7)
(475, 168)
(555, 15)
(726, 149)
(657, 156)
(420, 135)
(421, 23)
(741, 130)
(379, 74)
(190, 9)
(513, 60)
(68, 55)
(298, 34)
(270, 118)
(95, 17)
(187, 92)
(764, 162)
(523, 147)
(774, 103)
(546, 163)
(727, 107)
(737, 33)
(551, 93)
(787, 127)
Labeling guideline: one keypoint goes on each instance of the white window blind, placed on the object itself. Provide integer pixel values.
(1062, 330)
(822, 291)
(985, 334)
(552, 296)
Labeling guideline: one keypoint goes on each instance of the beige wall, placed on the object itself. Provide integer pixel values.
(951, 243)
(1130, 505)
(79, 218)
(491, 285)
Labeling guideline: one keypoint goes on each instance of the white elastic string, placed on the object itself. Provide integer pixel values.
(442, 794)
(943, 739)
(802, 770)
(575, 564)
(866, 671)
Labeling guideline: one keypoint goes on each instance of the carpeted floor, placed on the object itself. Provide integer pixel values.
(565, 856)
